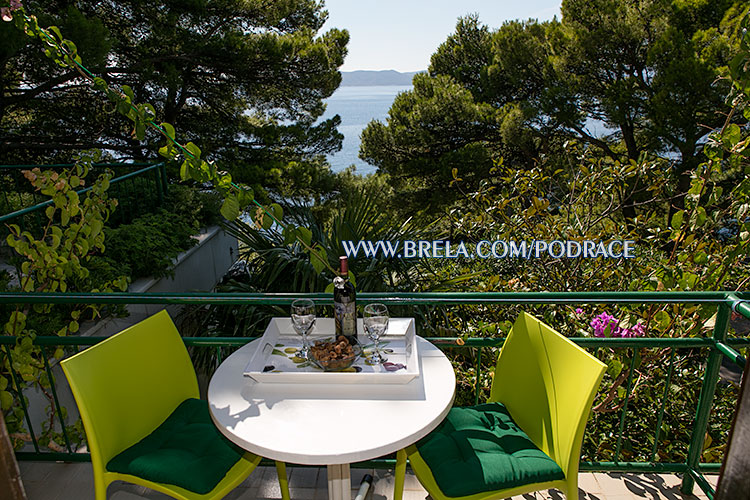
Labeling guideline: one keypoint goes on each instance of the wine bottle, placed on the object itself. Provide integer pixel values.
(345, 303)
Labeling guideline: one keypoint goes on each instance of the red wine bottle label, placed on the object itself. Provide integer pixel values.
(346, 318)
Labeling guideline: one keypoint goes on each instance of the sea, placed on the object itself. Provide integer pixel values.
(357, 106)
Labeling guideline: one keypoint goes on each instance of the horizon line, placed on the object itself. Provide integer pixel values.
(388, 69)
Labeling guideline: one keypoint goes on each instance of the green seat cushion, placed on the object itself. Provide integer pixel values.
(186, 450)
(480, 448)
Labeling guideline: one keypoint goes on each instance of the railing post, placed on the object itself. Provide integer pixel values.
(705, 400)
(163, 171)
(159, 189)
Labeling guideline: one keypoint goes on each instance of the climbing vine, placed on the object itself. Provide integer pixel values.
(50, 263)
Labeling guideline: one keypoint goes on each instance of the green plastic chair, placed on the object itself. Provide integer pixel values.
(126, 387)
(547, 385)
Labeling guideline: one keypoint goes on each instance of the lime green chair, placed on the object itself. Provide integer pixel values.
(137, 393)
(527, 437)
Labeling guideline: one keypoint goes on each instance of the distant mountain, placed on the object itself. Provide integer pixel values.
(384, 77)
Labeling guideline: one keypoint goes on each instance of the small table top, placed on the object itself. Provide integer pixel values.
(323, 424)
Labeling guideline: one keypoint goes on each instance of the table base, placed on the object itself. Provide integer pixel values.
(339, 482)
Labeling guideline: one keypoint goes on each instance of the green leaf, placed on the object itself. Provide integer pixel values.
(614, 367)
(661, 319)
(276, 211)
(6, 400)
(319, 259)
(289, 235)
(166, 151)
(73, 197)
(230, 209)
(148, 111)
(305, 235)
(193, 150)
(56, 31)
(265, 221)
(16, 323)
(168, 129)
(731, 136)
(122, 283)
(96, 227)
(700, 216)
(73, 326)
(677, 219)
(246, 196)
(222, 181)
(700, 257)
(329, 288)
(140, 130)
(99, 84)
(185, 170)
(129, 93)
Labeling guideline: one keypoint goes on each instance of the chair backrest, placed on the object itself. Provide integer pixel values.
(128, 384)
(548, 385)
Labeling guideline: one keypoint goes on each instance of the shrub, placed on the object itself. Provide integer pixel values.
(149, 244)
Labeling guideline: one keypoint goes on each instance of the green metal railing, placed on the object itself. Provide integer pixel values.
(718, 346)
(136, 191)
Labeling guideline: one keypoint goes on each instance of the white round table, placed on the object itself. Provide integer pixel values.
(330, 424)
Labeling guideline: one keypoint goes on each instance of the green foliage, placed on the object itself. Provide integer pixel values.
(430, 130)
(647, 69)
(148, 245)
(702, 246)
(203, 72)
(279, 262)
(54, 261)
(200, 208)
(237, 197)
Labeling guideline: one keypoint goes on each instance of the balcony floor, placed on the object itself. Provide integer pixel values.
(57, 481)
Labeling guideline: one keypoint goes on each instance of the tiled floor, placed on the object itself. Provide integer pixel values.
(55, 481)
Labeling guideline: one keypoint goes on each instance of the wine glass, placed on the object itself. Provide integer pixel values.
(376, 325)
(303, 320)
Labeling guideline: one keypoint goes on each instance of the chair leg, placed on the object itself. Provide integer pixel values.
(572, 488)
(283, 480)
(100, 486)
(100, 492)
(398, 487)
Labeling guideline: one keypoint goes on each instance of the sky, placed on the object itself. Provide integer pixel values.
(403, 34)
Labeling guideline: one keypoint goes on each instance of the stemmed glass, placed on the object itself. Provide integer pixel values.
(376, 325)
(303, 320)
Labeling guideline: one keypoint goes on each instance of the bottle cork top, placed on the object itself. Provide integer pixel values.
(344, 265)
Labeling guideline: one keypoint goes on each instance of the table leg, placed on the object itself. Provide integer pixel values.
(339, 482)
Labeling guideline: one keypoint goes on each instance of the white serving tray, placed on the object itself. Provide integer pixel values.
(280, 342)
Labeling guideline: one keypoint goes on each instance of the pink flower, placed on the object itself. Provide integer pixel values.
(5, 12)
(605, 325)
(579, 311)
(638, 330)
